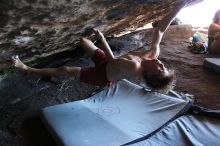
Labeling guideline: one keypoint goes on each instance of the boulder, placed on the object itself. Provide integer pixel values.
(39, 28)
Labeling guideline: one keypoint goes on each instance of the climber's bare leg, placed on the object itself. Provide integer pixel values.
(88, 46)
(64, 70)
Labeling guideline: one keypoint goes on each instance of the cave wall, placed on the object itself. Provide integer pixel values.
(38, 28)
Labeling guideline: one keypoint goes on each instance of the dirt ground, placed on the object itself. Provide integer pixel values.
(22, 96)
(192, 77)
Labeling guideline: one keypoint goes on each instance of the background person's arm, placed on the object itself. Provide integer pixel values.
(215, 27)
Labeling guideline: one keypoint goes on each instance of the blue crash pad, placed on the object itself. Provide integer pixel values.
(187, 130)
(112, 117)
(212, 63)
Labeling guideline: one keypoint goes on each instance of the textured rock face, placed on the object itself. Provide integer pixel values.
(38, 28)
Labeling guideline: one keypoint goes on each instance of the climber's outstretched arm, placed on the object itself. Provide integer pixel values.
(161, 28)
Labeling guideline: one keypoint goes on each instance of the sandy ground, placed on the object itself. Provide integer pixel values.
(192, 77)
(22, 95)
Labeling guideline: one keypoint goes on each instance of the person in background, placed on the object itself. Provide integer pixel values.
(214, 34)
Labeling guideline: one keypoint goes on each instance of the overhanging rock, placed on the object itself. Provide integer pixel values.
(38, 28)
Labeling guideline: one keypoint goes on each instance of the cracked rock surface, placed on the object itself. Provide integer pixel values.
(38, 28)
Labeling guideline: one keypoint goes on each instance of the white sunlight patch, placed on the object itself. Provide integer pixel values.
(201, 14)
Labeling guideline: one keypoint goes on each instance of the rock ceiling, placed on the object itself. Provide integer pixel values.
(38, 28)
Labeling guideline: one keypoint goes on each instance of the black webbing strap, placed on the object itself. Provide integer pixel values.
(197, 110)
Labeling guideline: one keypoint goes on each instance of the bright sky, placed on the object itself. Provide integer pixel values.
(200, 14)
